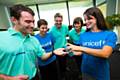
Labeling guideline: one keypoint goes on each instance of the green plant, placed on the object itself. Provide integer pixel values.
(113, 20)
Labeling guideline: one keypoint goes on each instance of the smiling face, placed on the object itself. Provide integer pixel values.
(77, 23)
(58, 22)
(25, 23)
(90, 21)
(43, 29)
(77, 26)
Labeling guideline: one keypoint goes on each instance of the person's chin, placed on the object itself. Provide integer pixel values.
(30, 32)
(58, 26)
(89, 26)
(77, 28)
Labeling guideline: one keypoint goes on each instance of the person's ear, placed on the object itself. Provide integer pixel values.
(13, 19)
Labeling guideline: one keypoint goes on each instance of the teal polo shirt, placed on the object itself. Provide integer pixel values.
(59, 36)
(18, 53)
(74, 36)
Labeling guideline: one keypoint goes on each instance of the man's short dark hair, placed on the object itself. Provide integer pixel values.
(58, 15)
(15, 11)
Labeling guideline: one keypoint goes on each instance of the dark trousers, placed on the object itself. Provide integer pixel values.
(61, 67)
(37, 77)
(78, 60)
(49, 72)
(87, 77)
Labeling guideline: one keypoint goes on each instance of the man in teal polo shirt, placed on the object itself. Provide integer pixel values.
(18, 49)
(59, 32)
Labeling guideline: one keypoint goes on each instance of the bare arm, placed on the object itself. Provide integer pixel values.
(105, 52)
(59, 52)
(46, 56)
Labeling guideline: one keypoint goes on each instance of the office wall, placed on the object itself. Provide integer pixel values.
(111, 7)
(4, 18)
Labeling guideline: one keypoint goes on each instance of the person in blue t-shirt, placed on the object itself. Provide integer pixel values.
(48, 69)
(96, 46)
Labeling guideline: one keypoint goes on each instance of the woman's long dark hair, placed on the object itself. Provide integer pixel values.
(93, 11)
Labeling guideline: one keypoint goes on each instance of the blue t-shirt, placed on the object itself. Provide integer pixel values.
(95, 66)
(46, 43)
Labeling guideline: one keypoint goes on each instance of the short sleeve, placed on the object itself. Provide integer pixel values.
(39, 50)
(111, 39)
(70, 35)
(67, 30)
(51, 37)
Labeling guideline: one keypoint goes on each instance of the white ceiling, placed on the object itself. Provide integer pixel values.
(30, 2)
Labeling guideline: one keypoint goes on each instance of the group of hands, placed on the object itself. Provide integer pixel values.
(63, 51)
(70, 48)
